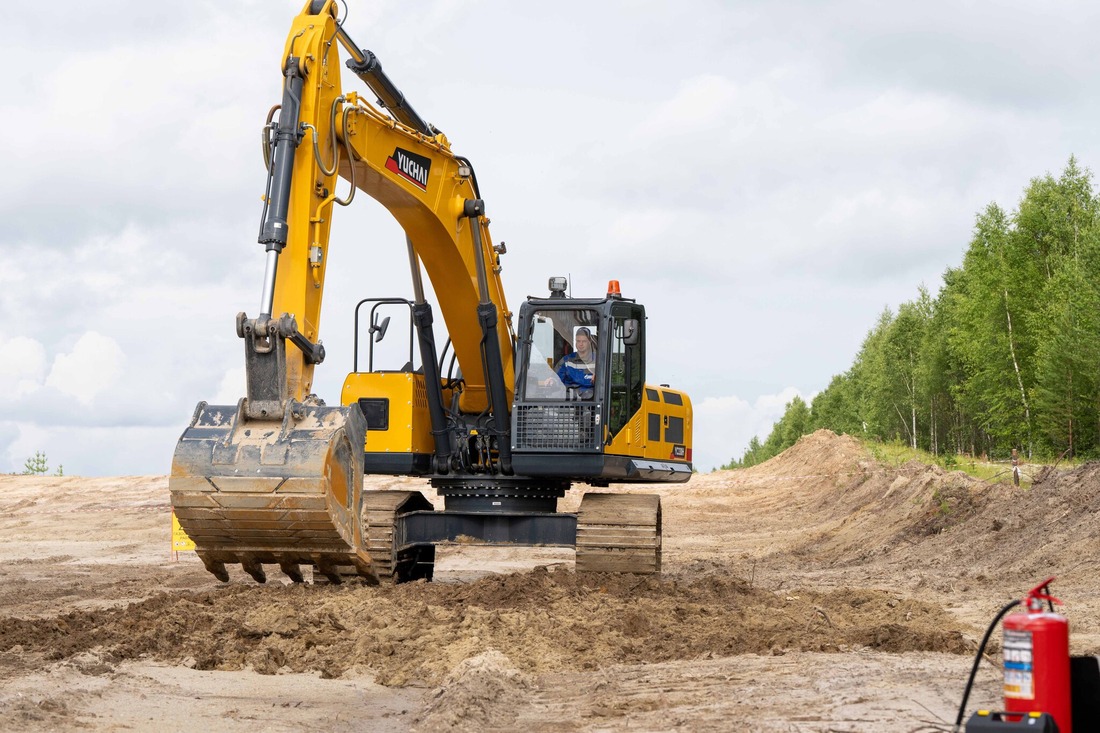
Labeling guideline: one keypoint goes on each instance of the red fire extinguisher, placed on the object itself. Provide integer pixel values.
(1036, 659)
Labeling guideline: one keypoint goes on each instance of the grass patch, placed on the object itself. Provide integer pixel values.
(896, 454)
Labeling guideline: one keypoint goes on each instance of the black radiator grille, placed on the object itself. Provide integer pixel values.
(563, 427)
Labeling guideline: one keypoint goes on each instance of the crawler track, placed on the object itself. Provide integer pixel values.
(379, 510)
(619, 533)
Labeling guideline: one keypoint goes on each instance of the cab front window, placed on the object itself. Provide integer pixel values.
(562, 361)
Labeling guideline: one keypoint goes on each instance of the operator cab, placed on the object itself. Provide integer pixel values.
(587, 405)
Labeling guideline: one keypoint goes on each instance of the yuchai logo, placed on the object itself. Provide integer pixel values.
(410, 166)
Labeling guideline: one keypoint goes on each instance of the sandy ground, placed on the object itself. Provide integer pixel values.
(821, 591)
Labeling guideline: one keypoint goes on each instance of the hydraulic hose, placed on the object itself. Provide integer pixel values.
(978, 661)
(332, 132)
(351, 159)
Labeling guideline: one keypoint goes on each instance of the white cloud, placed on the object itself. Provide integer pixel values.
(853, 209)
(21, 442)
(232, 387)
(634, 228)
(9, 433)
(899, 115)
(80, 450)
(723, 426)
(92, 367)
(23, 366)
(702, 104)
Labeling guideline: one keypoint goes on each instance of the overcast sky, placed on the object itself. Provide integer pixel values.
(765, 177)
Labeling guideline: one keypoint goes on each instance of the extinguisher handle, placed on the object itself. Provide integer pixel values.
(1041, 593)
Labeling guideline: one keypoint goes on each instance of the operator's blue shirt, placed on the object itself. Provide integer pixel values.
(574, 372)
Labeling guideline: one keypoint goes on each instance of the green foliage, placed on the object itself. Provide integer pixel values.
(36, 465)
(1006, 355)
(942, 507)
(837, 408)
(896, 453)
(753, 455)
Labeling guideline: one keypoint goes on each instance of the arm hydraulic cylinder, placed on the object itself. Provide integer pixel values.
(273, 228)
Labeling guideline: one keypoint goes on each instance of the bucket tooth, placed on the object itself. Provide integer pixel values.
(217, 568)
(329, 570)
(254, 569)
(292, 571)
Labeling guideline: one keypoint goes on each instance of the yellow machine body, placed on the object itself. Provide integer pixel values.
(396, 405)
(661, 430)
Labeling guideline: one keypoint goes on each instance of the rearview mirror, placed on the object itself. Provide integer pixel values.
(379, 329)
(632, 333)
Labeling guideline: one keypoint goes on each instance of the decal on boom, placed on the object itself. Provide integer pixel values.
(410, 166)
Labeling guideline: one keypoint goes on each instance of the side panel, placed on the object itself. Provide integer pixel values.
(396, 407)
(600, 469)
(668, 424)
(660, 430)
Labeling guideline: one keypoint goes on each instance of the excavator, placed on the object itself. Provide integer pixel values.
(496, 422)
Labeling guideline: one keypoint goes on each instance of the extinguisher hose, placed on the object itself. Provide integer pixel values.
(978, 660)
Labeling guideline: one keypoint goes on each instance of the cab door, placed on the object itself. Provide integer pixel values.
(626, 379)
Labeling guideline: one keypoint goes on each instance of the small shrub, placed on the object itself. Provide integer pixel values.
(36, 465)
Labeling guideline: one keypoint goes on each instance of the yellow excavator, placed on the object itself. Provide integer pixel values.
(501, 423)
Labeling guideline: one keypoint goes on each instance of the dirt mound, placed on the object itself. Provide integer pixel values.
(926, 517)
(541, 620)
(880, 509)
(915, 528)
(1023, 534)
(467, 698)
(821, 457)
(849, 508)
(844, 506)
(822, 452)
(1062, 507)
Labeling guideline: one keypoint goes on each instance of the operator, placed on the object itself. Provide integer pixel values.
(578, 369)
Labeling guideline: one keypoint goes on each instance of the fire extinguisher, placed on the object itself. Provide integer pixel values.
(1036, 659)
(1036, 668)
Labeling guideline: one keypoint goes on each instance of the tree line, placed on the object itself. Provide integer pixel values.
(1006, 356)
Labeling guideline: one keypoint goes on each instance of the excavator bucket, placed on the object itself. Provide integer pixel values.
(273, 492)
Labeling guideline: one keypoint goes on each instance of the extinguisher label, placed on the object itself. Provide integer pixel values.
(1019, 671)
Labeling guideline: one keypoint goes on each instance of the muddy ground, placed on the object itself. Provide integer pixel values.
(820, 591)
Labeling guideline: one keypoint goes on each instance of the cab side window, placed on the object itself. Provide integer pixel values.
(627, 374)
